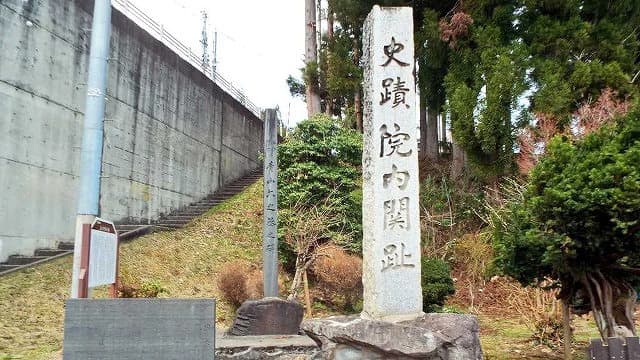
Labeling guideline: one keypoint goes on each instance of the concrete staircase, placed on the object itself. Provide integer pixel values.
(128, 231)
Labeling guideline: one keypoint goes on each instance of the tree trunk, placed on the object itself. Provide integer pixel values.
(432, 134)
(423, 129)
(357, 96)
(443, 127)
(330, 18)
(566, 327)
(612, 303)
(459, 160)
(311, 56)
(357, 104)
(307, 294)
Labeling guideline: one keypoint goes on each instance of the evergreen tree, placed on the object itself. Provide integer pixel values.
(578, 48)
(485, 79)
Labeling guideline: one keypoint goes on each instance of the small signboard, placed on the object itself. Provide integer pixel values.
(103, 253)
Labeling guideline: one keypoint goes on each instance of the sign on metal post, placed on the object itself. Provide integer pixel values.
(103, 253)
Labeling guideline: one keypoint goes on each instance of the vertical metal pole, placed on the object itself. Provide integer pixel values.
(270, 225)
(92, 135)
(215, 53)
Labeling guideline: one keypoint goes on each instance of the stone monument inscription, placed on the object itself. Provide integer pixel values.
(391, 224)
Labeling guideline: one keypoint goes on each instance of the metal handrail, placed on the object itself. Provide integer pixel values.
(158, 31)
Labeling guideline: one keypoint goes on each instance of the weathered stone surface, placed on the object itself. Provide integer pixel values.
(270, 203)
(391, 219)
(269, 316)
(267, 347)
(139, 329)
(432, 336)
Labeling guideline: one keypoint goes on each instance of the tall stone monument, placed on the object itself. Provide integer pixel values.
(270, 195)
(391, 220)
(392, 324)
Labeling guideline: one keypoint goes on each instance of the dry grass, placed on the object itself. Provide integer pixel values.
(232, 283)
(339, 276)
(185, 262)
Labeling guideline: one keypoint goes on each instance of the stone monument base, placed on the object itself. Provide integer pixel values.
(432, 336)
(268, 316)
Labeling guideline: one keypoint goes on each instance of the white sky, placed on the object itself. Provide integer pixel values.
(260, 43)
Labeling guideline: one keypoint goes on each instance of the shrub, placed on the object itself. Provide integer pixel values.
(437, 284)
(339, 276)
(254, 285)
(318, 162)
(148, 289)
(232, 283)
(240, 282)
(577, 223)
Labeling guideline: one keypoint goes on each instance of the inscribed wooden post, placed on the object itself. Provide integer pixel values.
(391, 222)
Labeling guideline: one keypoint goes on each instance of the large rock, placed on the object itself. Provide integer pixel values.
(433, 336)
(269, 316)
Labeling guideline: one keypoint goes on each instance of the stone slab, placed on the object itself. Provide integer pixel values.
(432, 336)
(280, 347)
(269, 316)
(390, 204)
(139, 329)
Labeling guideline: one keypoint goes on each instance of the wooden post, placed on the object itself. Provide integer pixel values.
(83, 279)
(113, 288)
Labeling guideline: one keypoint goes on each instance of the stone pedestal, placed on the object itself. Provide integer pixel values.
(431, 336)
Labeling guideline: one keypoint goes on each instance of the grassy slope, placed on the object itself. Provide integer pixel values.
(510, 338)
(185, 262)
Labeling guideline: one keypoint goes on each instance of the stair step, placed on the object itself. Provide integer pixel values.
(127, 227)
(23, 260)
(175, 226)
(177, 217)
(139, 231)
(198, 207)
(175, 222)
(5, 267)
(207, 203)
(220, 197)
(66, 246)
(49, 252)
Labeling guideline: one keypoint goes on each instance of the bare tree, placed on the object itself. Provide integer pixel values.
(308, 230)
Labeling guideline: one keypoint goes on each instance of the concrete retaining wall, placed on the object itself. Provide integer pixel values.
(171, 135)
